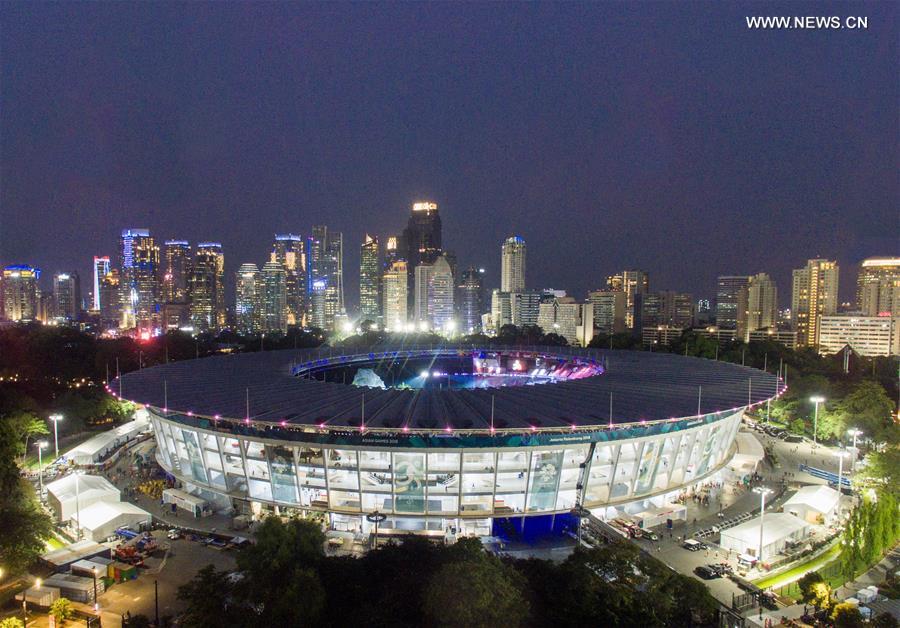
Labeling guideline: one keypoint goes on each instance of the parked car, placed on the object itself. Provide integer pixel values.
(650, 535)
(707, 572)
(693, 546)
(723, 569)
(174, 534)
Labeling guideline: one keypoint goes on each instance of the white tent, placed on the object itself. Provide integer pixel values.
(67, 494)
(778, 529)
(101, 520)
(96, 448)
(197, 506)
(812, 502)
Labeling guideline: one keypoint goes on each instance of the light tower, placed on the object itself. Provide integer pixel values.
(40, 445)
(56, 418)
(762, 491)
(854, 433)
(816, 399)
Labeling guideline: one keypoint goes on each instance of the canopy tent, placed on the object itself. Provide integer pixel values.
(65, 556)
(100, 521)
(657, 515)
(812, 502)
(749, 454)
(778, 529)
(67, 494)
(95, 449)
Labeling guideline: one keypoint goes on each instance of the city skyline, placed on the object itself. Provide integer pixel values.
(617, 158)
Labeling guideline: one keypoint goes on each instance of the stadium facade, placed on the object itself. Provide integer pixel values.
(450, 438)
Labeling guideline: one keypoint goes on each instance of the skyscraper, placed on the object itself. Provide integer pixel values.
(326, 275)
(667, 308)
(609, 311)
(395, 296)
(139, 282)
(110, 301)
(101, 270)
(728, 287)
(567, 318)
(66, 295)
(392, 252)
(512, 265)
(813, 294)
(287, 250)
(878, 286)
(248, 302)
(757, 306)
(370, 280)
(440, 295)
(274, 297)
(470, 302)
(421, 239)
(177, 271)
(631, 282)
(20, 292)
(207, 287)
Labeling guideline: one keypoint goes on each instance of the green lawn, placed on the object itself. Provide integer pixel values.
(795, 573)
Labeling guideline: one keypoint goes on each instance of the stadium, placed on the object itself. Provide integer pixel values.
(444, 439)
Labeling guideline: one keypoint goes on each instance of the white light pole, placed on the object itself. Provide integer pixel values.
(762, 491)
(40, 445)
(840, 454)
(56, 418)
(854, 433)
(816, 399)
(77, 507)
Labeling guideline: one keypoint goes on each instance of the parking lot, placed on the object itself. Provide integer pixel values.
(171, 568)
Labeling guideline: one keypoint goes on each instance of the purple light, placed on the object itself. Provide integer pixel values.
(190, 413)
(405, 428)
(283, 423)
(217, 417)
(533, 428)
(447, 429)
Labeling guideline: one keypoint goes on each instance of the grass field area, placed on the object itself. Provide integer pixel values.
(54, 543)
(790, 575)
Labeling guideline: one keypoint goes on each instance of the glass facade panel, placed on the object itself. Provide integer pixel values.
(284, 481)
(192, 447)
(409, 483)
(545, 470)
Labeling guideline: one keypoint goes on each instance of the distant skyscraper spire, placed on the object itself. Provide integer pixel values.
(512, 266)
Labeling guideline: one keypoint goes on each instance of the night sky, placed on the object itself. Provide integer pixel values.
(663, 136)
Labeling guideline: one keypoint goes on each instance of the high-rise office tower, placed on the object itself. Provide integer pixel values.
(512, 265)
(878, 286)
(326, 263)
(370, 280)
(420, 299)
(728, 287)
(274, 297)
(631, 282)
(176, 271)
(139, 281)
(101, 270)
(288, 251)
(421, 240)
(20, 292)
(572, 320)
(814, 293)
(440, 295)
(317, 306)
(110, 301)
(392, 252)
(668, 308)
(609, 311)
(395, 296)
(248, 301)
(66, 295)
(470, 301)
(207, 287)
(757, 306)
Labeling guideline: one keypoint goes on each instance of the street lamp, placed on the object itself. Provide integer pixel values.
(40, 445)
(816, 399)
(37, 585)
(96, 603)
(762, 491)
(854, 433)
(376, 518)
(56, 418)
(841, 454)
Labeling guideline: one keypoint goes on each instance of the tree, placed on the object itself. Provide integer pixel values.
(11, 622)
(61, 610)
(23, 525)
(814, 590)
(847, 616)
(208, 598)
(482, 592)
(869, 409)
(884, 620)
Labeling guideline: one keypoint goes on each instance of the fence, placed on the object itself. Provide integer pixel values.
(829, 572)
